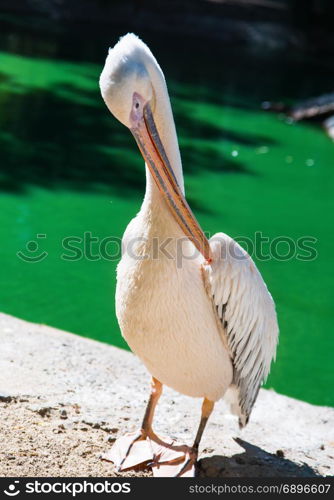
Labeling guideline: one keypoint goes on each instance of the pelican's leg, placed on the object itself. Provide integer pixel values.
(146, 427)
(156, 391)
(136, 447)
(207, 408)
(164, 455)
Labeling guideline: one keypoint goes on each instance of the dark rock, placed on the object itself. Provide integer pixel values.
(44, 411)
(6, 398)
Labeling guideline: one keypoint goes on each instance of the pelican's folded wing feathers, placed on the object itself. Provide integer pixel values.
(247, 314)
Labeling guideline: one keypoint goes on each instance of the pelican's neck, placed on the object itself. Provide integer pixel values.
(164, 121)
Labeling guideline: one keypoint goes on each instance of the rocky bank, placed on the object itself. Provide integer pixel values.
(65, 399)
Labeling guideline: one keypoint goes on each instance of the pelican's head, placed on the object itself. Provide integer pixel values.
(125, 82)
(133, 86)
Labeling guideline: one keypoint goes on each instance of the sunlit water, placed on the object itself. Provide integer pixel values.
(68, 168)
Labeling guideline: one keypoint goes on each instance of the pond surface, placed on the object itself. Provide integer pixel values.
(68, 168)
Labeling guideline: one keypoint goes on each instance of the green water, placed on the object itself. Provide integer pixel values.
(67, 167)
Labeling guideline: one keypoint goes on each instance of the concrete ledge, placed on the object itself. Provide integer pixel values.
(64, 399)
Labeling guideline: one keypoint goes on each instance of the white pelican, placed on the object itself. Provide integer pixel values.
(205, 326)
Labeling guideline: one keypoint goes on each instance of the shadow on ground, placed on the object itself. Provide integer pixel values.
(253, 462)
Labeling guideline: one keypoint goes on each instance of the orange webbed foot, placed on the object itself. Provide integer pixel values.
(164, 456)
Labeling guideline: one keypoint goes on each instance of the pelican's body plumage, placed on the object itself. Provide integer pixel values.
(165, 313)
(196, 312)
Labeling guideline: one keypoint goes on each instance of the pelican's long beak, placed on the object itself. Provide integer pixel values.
(154, 154)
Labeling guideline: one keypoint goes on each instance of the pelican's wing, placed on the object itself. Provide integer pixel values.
(247, 314)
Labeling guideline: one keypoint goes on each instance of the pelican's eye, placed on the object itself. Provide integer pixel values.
(137, 108)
